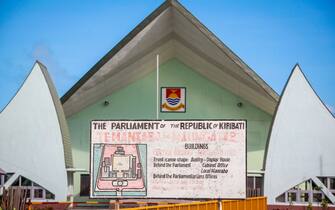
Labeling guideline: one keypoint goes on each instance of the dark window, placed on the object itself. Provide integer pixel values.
(332, 183)
(281, 198)
(315, 187)
(2, 179)
(25, 181)
(49, 195)
(259, 185)
(292, 197)
(36, 185)
(317, 197)
(250, 186)
(323, 180)
(28, 193)
(250, 182)
(38, 193)
(254, 186)
(304, 197)
(84, 185)
(16, 182)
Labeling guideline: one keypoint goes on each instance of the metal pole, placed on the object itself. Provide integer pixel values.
(157, 87)
(70, 188)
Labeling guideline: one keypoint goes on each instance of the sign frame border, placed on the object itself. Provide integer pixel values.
(166, 198)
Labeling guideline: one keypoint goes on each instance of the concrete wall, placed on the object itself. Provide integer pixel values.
(204, 99)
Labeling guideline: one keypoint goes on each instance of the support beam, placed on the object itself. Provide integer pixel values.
(324, 189)
(9, 182)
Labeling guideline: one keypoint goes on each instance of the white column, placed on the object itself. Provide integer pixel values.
(157, 87)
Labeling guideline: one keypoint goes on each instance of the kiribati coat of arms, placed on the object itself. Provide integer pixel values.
(173, 99)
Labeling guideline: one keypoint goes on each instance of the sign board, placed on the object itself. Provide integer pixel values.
(168, 159)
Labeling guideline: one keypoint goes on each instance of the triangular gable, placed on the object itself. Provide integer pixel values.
(170, 31)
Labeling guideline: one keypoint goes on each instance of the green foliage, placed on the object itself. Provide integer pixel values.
(324, 203)
(309, 207)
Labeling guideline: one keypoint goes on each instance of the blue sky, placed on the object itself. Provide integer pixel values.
(69, 37)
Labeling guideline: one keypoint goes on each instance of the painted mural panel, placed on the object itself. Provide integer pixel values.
(168, 159)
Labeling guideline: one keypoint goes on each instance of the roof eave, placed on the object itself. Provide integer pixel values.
(225, 49)
(211, 36)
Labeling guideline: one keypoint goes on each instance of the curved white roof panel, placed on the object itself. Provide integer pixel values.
(32, 134)
(302, 140)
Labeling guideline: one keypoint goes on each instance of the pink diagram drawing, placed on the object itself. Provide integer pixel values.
(120, 169)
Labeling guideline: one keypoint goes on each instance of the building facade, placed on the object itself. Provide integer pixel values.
(125, 85)
(122, 85)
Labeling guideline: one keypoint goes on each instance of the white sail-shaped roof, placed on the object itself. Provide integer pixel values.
(34, 136)
(302, 140)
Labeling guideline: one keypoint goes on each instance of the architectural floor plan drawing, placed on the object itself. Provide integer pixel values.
(121, 170)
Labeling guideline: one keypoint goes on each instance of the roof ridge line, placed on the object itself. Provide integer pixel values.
(221, 45)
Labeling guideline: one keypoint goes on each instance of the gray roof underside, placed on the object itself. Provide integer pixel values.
(61, 118)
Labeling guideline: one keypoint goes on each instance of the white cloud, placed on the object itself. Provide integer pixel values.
(60, 76)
